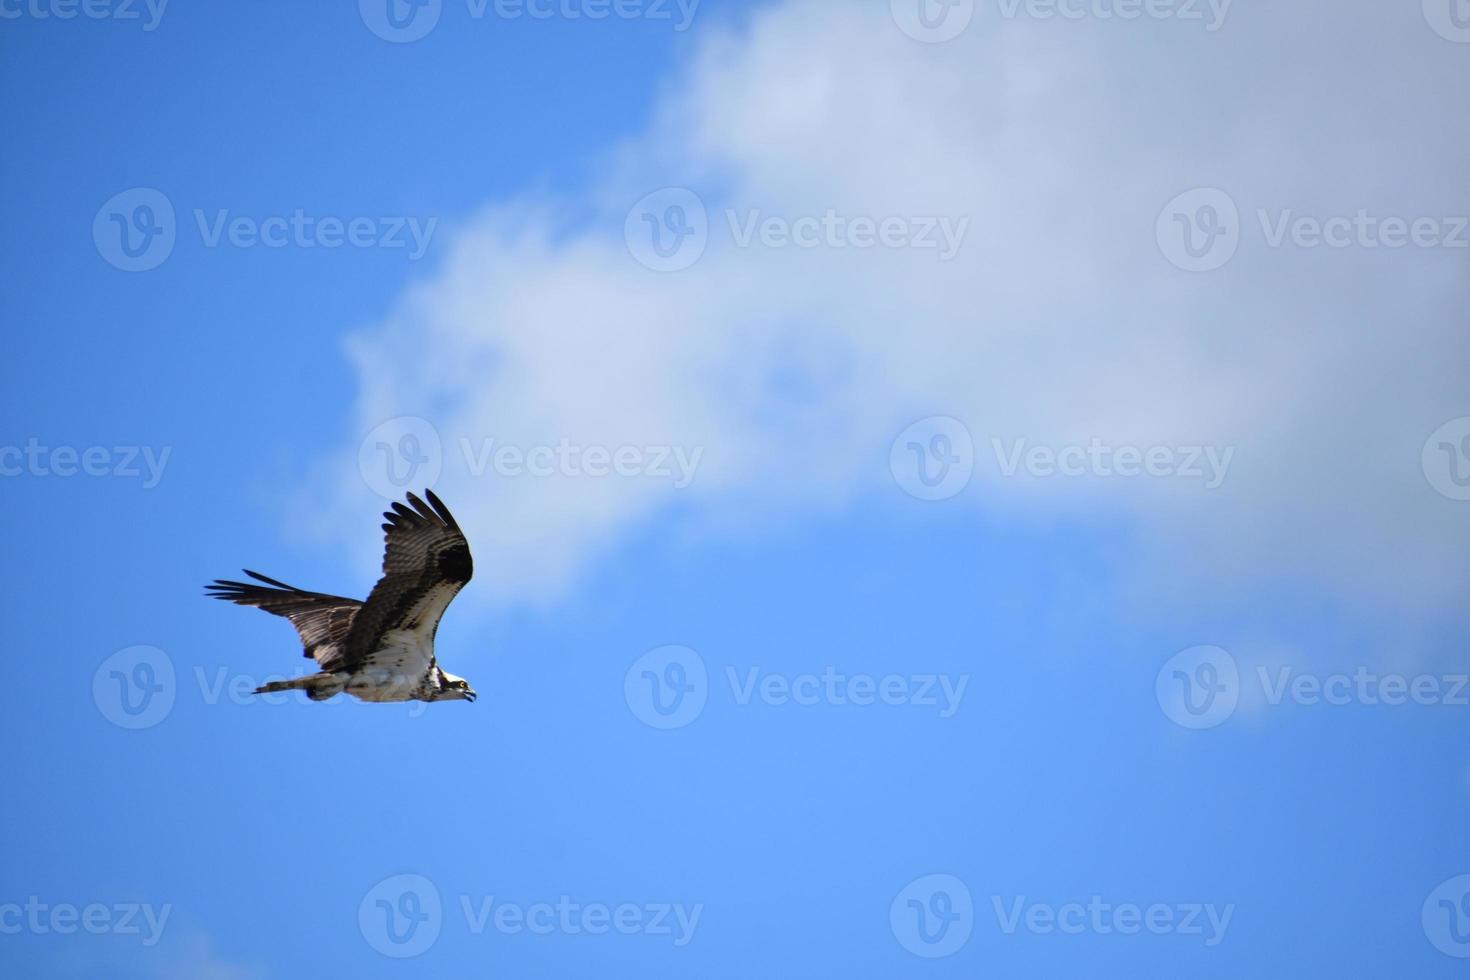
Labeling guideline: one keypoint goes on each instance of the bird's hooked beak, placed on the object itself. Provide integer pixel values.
(470, 695)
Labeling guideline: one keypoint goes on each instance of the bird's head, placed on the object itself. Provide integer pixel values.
(453, 688)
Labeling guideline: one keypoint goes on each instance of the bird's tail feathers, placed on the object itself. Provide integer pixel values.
(318, 687)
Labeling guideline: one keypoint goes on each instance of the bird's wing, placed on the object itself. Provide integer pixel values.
(322, 620)
(425, 564)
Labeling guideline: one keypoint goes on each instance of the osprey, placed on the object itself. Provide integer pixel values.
(381, 649)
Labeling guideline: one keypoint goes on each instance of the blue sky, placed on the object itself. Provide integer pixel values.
(1038, 546)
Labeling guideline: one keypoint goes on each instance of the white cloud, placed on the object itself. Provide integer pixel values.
(1059, 321)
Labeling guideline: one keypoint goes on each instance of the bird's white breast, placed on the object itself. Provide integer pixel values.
(396, 669)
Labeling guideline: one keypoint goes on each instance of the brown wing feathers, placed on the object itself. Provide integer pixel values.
(426, 562)
(322, 620)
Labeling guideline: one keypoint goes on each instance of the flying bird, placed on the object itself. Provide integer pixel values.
(381, 649)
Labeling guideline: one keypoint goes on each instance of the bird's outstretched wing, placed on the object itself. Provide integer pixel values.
(323, 621)
(425, 564)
